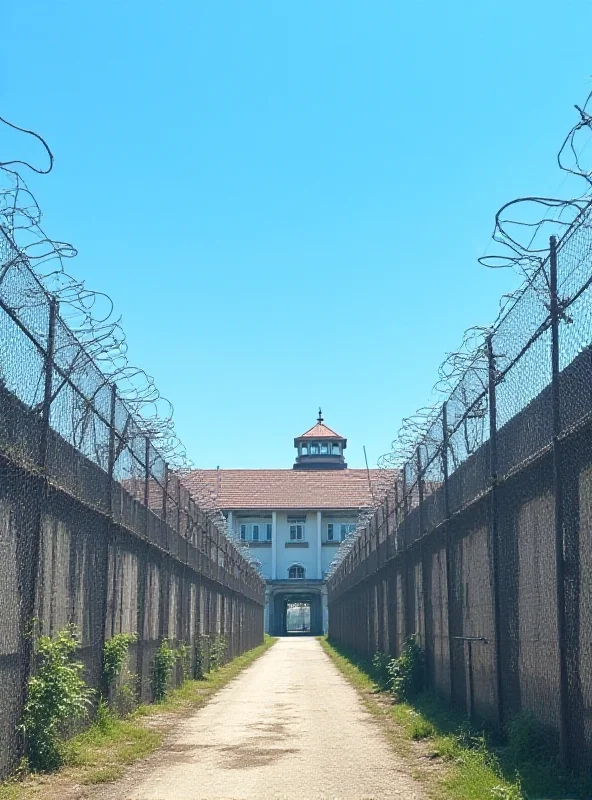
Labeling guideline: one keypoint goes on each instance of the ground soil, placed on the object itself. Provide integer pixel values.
(290, 727)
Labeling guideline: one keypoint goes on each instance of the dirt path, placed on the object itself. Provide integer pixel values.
(289, 727)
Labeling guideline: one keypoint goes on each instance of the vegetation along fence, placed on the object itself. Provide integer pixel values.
(94, 529)
(483, 547)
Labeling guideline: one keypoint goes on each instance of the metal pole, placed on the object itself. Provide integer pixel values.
(111, 463)
(493, 524)
(165, 493)
(104, 686)
(424, 567)
(404, 558)
(48, 369)
(37, 522)
(558, 488)
(420, 491)
(449, 546)
(178, 501)
(147, 483)
(471, 681)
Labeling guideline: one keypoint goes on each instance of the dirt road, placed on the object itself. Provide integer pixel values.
(289, 727)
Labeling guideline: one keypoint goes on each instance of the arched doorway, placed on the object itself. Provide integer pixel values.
(296, 612)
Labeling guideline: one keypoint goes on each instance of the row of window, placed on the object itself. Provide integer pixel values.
(320, 449)
(263, 533)
(344, 530)
(255, 533)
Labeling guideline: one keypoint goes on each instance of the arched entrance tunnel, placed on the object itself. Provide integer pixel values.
(296, 612)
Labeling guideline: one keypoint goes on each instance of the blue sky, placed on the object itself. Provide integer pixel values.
(286, 201)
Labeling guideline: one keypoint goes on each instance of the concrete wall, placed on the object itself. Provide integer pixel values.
(414, 580)
(69, 554)
(306, 553)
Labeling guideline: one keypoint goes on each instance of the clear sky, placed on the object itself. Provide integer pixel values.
(286, 200)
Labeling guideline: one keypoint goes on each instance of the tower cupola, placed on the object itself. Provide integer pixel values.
(320, 448)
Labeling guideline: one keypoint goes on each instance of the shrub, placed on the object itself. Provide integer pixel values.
(105, 720)
(528, 741)
(115, 653)
(218, 650)
(507, 792)
(183, 656)
(164, 663)
(407, 672)
(56, 695)
(380, 662)
(126, 694)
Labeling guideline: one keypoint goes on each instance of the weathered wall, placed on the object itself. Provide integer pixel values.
(122, 570)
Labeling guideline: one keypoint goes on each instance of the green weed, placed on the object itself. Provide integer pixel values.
(115, 652)
(164, 662)
(407, 672)
(476, 765)
(57, 695)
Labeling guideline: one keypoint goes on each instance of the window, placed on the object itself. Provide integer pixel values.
(324, 448)
(335, 449)
(297, 532)
(296, 572)
(330, 532)
(314, 449)
(296, 526)
(346, 529)
(255, 532)
(303, 449)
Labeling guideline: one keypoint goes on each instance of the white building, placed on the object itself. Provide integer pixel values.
(294, 520)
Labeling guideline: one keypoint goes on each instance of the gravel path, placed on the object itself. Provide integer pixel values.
(289, 727)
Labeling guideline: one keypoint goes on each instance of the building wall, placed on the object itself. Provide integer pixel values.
(305, 553)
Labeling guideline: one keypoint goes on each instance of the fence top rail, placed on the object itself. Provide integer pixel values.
(525, 321)
(75, 367)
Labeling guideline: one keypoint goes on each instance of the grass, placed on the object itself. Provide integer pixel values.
(101, 753)
(457, 761)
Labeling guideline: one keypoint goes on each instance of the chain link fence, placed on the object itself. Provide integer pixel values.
(94, 528)
(483, 546)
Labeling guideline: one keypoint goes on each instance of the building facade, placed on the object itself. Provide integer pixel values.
(294, 520)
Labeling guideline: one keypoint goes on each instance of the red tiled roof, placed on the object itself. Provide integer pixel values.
(319, 431)
(289, 488)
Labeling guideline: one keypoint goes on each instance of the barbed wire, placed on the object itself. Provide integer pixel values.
(521, 228)
(89, 314)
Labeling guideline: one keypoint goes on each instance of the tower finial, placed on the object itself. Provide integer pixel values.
(320, 419)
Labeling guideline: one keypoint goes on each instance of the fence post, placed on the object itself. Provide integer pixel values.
(109, 533)
(420, 491)
(48, 370)
(37, 523)
(423, 557)
(558, 492)
(493, 524)
(165, 493)
(147, 478)
(111, 462)
(178, 501)
(43, 451)
(449, 535)
(405, 561)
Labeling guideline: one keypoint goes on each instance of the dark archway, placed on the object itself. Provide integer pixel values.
(281, 601)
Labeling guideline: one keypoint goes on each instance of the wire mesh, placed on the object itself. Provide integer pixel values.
(492, 519)
(95, 530)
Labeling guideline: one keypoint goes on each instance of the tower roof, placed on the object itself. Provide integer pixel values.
(319, 431)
